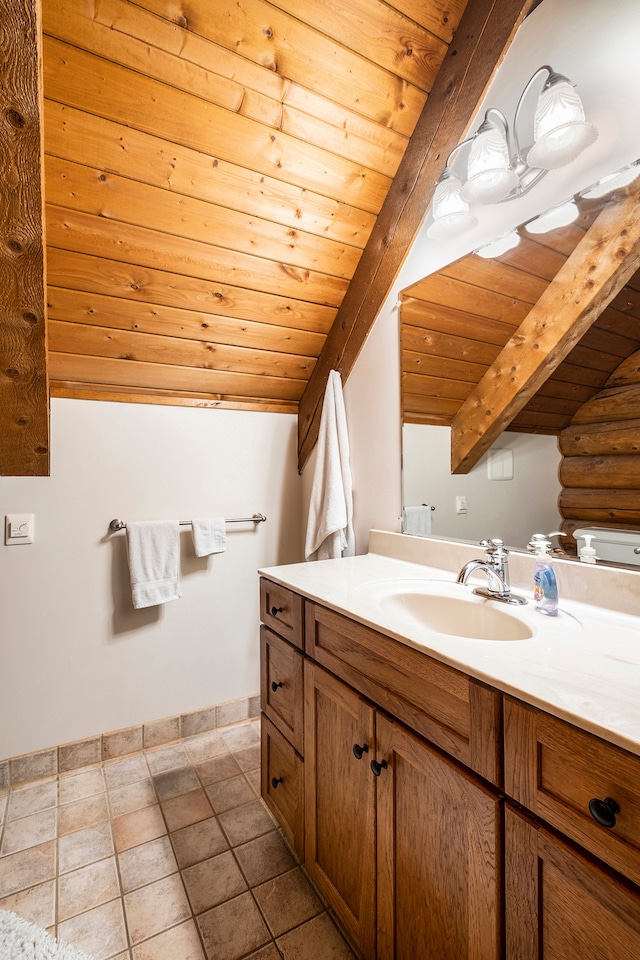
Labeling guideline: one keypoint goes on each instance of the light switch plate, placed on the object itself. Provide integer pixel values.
(18, 528)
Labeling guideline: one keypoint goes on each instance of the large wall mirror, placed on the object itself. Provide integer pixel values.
(559, 462)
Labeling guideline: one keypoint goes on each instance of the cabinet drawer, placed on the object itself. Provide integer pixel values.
(281, 686)
(282, 610)
(458, 714)
(282, 783)
(555, 770)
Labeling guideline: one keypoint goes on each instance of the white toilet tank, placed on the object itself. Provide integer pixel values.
(620, 546)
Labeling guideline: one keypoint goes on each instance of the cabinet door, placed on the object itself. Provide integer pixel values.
(340, 802)
(560, 905)
(439, 855)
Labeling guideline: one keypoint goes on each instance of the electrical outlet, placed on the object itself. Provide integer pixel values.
(461, 504)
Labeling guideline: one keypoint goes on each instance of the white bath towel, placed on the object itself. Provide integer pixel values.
(417, 521)
(154, 556)
(209, 536)
(329, 525)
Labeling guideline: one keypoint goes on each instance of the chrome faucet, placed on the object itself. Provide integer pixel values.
(496, 568)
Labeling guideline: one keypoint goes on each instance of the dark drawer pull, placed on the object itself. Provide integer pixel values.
(275, 781)
(274, 685)
(276, 610)
(358, 750)
(604, 811)
(377, 768)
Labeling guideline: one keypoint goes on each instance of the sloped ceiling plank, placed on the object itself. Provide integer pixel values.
(181, 398)
(24, 403)
(480, 42)
(592, 276)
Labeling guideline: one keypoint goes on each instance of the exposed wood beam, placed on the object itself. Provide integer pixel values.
(601, 264)
(24, 402)
(479, 45)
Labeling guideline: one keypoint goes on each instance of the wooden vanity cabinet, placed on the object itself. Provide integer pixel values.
(403, 844)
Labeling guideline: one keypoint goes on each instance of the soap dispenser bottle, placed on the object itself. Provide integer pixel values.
(545, 585)
(587, 552)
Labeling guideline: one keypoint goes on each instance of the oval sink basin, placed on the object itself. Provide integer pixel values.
(457, 616)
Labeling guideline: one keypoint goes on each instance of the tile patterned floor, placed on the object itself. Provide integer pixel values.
(167, 854)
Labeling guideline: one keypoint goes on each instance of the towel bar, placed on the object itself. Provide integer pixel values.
(116, 525)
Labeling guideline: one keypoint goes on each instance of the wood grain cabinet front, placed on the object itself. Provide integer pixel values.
(559, 904)
(282, 784)
(281, 686)
(404, 844)
(583, 786)
(283, 611)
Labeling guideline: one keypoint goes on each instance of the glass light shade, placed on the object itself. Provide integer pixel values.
(495, 248)
(451, 217)
(560, 130)
(559, 216)
(615, 181)
(490, 177)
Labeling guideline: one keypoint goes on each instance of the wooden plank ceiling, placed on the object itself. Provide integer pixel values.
(457, 321)
(213, 171)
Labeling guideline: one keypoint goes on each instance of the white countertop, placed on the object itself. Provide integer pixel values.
(582, 666)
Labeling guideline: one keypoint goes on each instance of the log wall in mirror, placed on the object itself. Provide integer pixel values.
(577, 434)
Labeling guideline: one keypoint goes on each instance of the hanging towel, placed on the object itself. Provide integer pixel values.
(154, 554)
(329, 526)
(209, 536)
(417, 521)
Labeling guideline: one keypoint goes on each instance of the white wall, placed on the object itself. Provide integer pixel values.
(596, 45)
(510, 509)
(75, 658)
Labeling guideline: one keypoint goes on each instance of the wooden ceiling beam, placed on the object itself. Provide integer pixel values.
(603, 261)
(479, 45)
(24, 401)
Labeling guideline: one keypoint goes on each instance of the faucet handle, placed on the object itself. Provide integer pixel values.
(494, 546)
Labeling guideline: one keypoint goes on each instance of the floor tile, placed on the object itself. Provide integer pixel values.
(4, 799)
(287, 901)
(270, 952)
(167, 758)
(179, 943)
(197, 842)
(218, 768)
(145, 863)
(37, 904)
(85, 846)
(132, 796)
(78, 786)
(205, 746)
(253, 776)
(27, 868)
(264, 858)
(29, 831)
(246, 822)
(319, 939)
(248, 758)
(213, 881)
(227, 794)
(81, 814)
(181, 811)
(156, 907)
(240, 735)
(233, 929)
(174, 783)
(120, 772)
(26, 800)
(99, 932)
(132, 829)
(87, 887)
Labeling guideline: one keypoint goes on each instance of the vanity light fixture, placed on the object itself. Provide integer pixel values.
(498, 168)
(495, 248)
(614, 181)
(559, 216)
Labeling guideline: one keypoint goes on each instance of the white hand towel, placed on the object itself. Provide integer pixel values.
(329, 525)
(154, 555)
(209, 536)
(417, 521)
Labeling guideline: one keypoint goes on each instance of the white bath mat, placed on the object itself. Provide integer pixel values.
(20, 940)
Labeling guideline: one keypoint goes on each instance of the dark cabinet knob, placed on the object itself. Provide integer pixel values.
(358, 750)
(604, 811)
(377, 768)
(275, 781)
(275, 611)
(274, 685)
